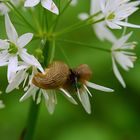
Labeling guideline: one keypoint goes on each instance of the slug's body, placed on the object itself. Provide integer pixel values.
(55, 76)
(59, 75)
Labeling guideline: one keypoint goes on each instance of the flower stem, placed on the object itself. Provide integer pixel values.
(32, 121)
(49, 52)
(55, 23)
(86, 22)
(84, 45)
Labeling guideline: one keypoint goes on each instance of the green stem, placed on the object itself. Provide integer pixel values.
(66, 58)
(79, 25)
(36, 21)
(84, 45)
(32, 121)
(49, 52)
(55, 23)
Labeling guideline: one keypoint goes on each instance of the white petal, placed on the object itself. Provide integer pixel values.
(84, 99)
(117, 73)
(50, 100)
(98, 87)
(3, 64)
(31, 3)
(74, 2)
(103, 33)
(24, 40)
(113, 25)
(31, 60)
(1, 104)
(121, 23)
(17, 80)
(95, 6)
(83, 16)
(10, 30)
(87, 90)
(124, 60)
(3, 9)
(12, 67)
(50, 5)
(31, 91)
(4, 58)
(68, 96)
(4, 44)
(121, 42)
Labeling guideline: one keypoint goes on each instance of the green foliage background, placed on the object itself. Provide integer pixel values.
(115, 116)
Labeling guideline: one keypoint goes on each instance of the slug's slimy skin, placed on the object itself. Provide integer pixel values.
(55, 76)
(59, 75)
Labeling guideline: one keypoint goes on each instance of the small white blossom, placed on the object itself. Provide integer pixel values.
(48, 4)
(122, 55)
(74, 2)
(116, 11)
(101, 29)
(13, 48)
(83, 94)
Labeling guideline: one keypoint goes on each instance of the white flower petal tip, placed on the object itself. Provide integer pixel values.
(117, 74)
(84, 99)
(74, 2)
(68, 96)
(98, 87)
(83, 16)
(19, 77)
(2, 104)
(30, 92)
(50, 100)
(10, 29)
(50, 5)
(31, 3)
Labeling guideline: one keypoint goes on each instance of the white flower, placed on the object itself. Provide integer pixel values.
(116, 11)
(122, 55)
(74, 2)
(101, 30)
(83, 94)
(13, 48)
(48, 4)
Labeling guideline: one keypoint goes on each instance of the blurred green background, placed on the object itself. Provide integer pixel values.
(115, 116)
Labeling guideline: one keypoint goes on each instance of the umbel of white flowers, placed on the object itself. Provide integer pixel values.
(19, 62)
(115, 11)
(13, 48)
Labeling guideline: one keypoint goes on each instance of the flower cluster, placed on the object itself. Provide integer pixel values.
(104, 16)
(115, 14)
